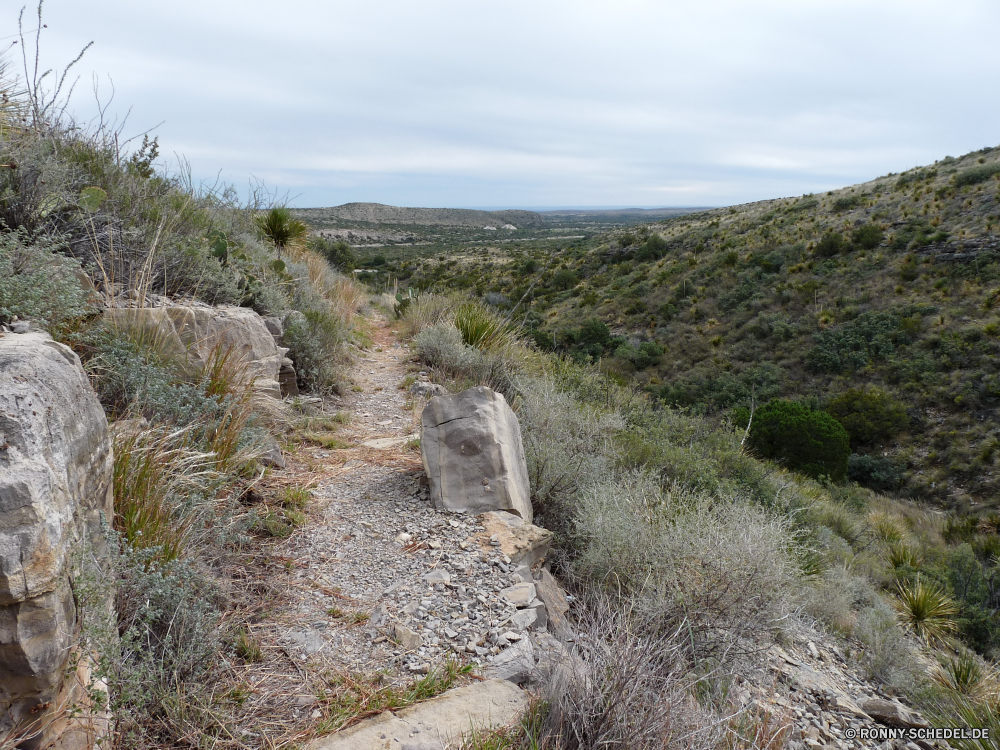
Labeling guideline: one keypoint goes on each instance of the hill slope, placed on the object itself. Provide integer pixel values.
(377, 213)
(892, 284)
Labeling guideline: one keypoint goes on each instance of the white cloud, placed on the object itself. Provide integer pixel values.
(556, 102)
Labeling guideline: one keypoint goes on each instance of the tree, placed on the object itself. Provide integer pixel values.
(869, 415)
(808, 441)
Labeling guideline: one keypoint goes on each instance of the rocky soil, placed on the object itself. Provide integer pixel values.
(378, 581)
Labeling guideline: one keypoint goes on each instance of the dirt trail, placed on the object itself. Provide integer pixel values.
(372, 554)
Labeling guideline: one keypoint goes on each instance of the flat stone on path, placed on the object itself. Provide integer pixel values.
(489, 704)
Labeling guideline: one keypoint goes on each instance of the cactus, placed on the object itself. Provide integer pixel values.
(403, 302)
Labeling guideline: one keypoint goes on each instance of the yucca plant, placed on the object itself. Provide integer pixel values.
(901, 555)
(482, 328)
(967, 676)
(884, 527)
(927, 610)
(279, 226)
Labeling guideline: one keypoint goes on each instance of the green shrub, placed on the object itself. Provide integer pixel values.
(338, 253)
(869, 415)
(878, 473)
(281, 227)
(188, 269)
(647, 354)
(976, 175)
(852, 345)
(38, 283)
(482, 328)
(846, 203)
(313, 339)
(809, 441)
(716, 566)
(927, 610)
(868, 236)
(442, 346)
(832, 243)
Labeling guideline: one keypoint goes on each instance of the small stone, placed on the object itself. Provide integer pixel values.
(437, 576)
(403, 537)
(434, 544)
(520, 595)
(407, 638)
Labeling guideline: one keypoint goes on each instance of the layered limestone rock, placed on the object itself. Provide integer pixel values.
(55, 491)
(195, 333)
(471, 447)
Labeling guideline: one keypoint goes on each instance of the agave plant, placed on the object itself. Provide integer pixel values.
(927, 610)
(901, 555)
(482, 328)
(283, 229)
(967, 676)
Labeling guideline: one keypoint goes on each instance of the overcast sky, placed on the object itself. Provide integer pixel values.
(542, 103)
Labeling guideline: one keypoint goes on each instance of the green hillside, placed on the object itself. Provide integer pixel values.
(889, 287)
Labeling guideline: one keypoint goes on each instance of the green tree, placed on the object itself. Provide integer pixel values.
(868, 236)
(811, 442)
(868, 414)
(831, 244)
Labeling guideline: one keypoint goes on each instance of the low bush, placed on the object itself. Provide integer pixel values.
(878, 473)
(313, 339)
(832, 243)
(868, 236)
(868, 414)
(718, 567)
(976, 175)
(442, 346)
(40, 284)
(808, 441)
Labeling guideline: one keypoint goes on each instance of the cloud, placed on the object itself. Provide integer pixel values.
(552, 103)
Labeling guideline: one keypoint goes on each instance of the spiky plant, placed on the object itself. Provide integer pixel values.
(967, 676)
(901, 555)
(279, 226)
(482, 328)
(884, 527)
(927, 610)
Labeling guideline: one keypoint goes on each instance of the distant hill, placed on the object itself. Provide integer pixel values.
(377, 214)
(641, 214)
(878, 301)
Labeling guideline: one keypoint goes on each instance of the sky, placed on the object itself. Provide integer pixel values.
(533, 104)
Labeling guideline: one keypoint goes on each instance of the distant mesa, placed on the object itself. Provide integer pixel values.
(377, 213)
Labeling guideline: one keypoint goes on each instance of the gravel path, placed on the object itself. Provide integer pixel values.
(383, 581)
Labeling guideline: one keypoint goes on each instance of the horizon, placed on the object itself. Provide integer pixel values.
(562, 105)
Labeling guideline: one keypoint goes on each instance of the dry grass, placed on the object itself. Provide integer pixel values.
(153, 469)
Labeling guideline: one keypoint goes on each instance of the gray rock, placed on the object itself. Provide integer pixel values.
(270, 454)
(437, 576)
(309, 641)
(55, 490)
(520, 594)
(893, 714)
(288, 379)
(275, 327)
(541, 617)
(516, 663)
(488, 704)
(194, 334)
(20, 326)
(471, 447)
(524, 619)
(425, 389)
(556, 605)
(524, 543)
(407, 638)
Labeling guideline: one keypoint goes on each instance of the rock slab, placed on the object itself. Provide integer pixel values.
(193, 333)
(443, 720)
(55, 491)
(471, 447)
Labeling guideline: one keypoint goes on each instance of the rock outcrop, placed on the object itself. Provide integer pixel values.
(471, 447)
(55, 492)
(194, 332)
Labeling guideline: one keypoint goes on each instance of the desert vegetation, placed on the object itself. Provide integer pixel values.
(90, 221)
(658, 510)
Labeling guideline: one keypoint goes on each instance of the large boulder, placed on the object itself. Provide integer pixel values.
(55, 492)
(194, 332)
(471, 447)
